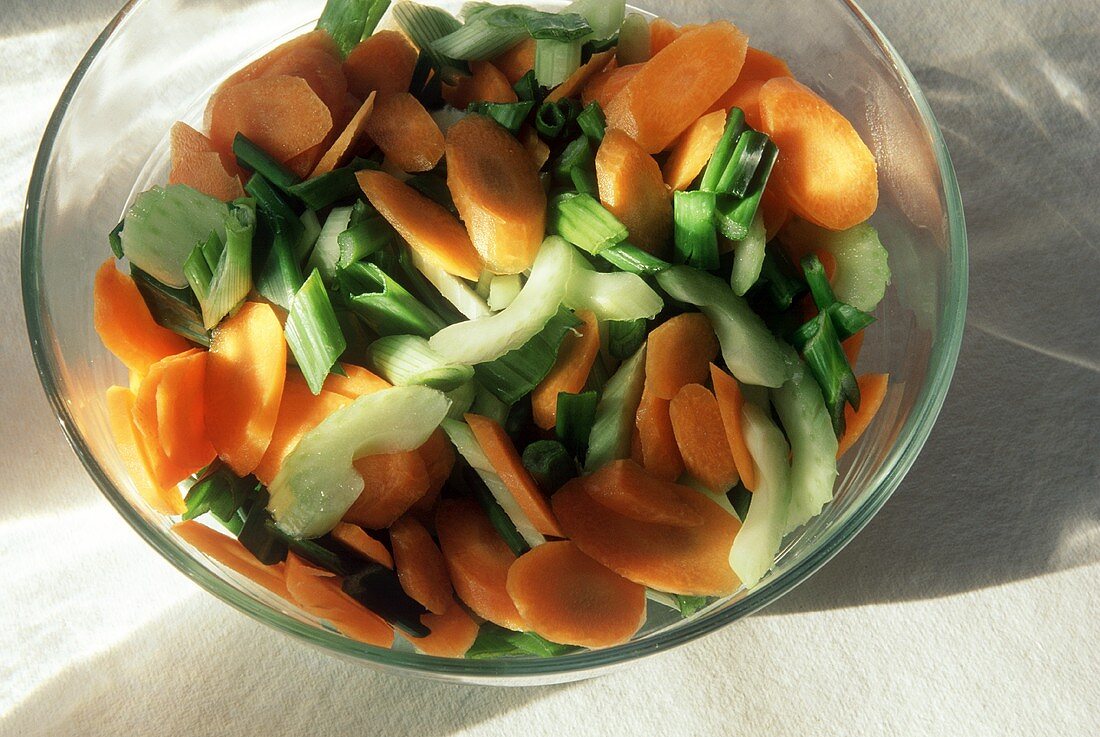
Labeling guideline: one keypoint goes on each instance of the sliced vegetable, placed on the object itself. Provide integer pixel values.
(680, 352)
(603, 87)
(384, 304)
(452, 635)
(634, 46)
(497, 642)
(318, 592)
(624, 337)
(576, 81)
(658, 451)
(632, 188)
(392, 484)
(382, 62)
(519, 371)
(425, 24)
(862, 271)
(348, 21)
(575, 416)
(312, 332)
(407, 359)
(549, 464)
(872, 392)
(517, 62)
(356, 538)
(454, 290)
(693, 149)
(582, 221)
(338, 152)
(697, 425)
(198, 165)
(420, 566)
(300, 410)
(503, 289)
(696, 241)
(625, 488)
(485, 84)
(231, 554)
(180, 415)
(510, 115)
(730, 401)
(405, 132)
(748, 257)
(570, 371)
(125, 325)
(820, 347)
(377, 588)
(614, 423)
(130, 448)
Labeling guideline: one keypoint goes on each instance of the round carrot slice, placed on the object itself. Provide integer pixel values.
(679, 352)
(633, 189)
(392, 483)
(318, 592)
(124, 324)
(624, 487)
(760, 65)
(566, 597)
(693, 150)
(196, 164)
(420, 566)
(452, 632)
(280, 114)
(382, 62)
(405, 132)
(322, 72)
(697, 424)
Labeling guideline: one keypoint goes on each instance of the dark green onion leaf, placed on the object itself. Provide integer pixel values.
(426, 85)
(625, 337)
(577, 153)
(500, 520)
(746, 156)
(175, 309)
(719, 160)
(518, 372)
(497, 642)
(377, 588)
(689, 605)
(509, 114)
(696, 240)
(313, 333)
(331, 187)
(115, 239)
(584, 181)
(350, 21)
(557, 119)
(592, 122)
(576, 413)
(779, 281)
(820, 346)
(258, 535)
(418, 285)
(386, 306)
(220, 492)
(847, 320)
(550, 464)
(434, 188)
(735, 215)
(584, 222)
(557, 26)
(362, 239)
(627, 257)
(527, 88)
(250, 156)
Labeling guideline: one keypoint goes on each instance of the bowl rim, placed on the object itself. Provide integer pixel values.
(899, 460)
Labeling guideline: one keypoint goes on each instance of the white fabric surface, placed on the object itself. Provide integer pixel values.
(969, 606)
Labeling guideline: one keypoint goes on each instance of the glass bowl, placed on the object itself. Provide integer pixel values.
(158, 60)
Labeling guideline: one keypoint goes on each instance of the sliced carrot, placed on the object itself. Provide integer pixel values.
(420, 567)
(500, 451)
(660, 456)
(824, 171)
(730, 401)
(566, 597)
(570, 372)
(280, 114)
(746, 96)
(852, 347)
(234, 556)
(405, 132)
(318, 39)
(299, 412)
(245, 371)
(760, 65)
(661, 33)
(679, 560)
(181, 412)
(576, 81)
(774, 210)
(357, 383)
(128, 444)
(697, 424)
(497, 191)
(452, 633)
(382, 62)
(356, 538)
(678, 84)
(431, 231)
(693, 150)
(167, 472)
(536, 147)
(603, 87)
(124, 323)
(345, 143)
(392, 483)
(872, 390)
(679, 352)
(486, 83)
(516, 61)
(633, 189)
(624, 487)
(318, 592)
(196, 164)
(439, 459)
(478, 560)
(322, 72)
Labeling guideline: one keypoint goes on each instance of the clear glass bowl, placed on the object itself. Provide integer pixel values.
(157, 62)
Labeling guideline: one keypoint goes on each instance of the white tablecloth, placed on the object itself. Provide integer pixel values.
(969, 606)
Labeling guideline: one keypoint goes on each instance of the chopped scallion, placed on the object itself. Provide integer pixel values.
(820, 346)
(255, 159)
(378, 589)
(576, 413)
(625, 337)
(627, 257)
(175, 309)
(519, 371)
(696, 240)
(313, 332)
(584, 222)
(592, 122)
(509, 114)
(408, 359)
(720, 158)
(550, 464)
(349, 21)
(383, 304)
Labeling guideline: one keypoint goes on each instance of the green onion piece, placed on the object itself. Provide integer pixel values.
(426, 86)
(503, 290)
(605, 16)
(478, 39)
(339, 184)
(576, 413)
(719, 160)
(259, 537)
(325, 552)
(231, 278)
(326, 251)
(527, 88)
(175, 309)
(633, 45)
(625, 337)
(462, 399)
(313, 333)
(383, 304)
(696, 240)
(577, 153)
(378, 589)
(115, 239)
(847, 320)
(281, 277)
(250, 156)
(820, 346)
(592, 121)
(363, 239)
(349, 21)
(554, 119)
(519, 371)
(356, 334)
(818, 282)
(614, 423)
(197, 270)
(220, 492)
(627, 257)
(584, 222)
(739, 498)
(556, 60)
(735, 216)
(311, 228)
(509, 114)
(486, 404)
(689, 605)
(434, 188)
(584, 181)
(564, 26)
(424, 25)
(502, 523)
(748, 257)
(782, 286)
(746, 156)
(270, 203)
(407, 359)
(497, 642)
(550, 464)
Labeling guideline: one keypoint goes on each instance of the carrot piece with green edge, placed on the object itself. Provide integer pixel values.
(234, 556)
(516, 61)
(825, 171)
(280, 114)
(300, 410)
(420, 567)
(660, 456)
(730, 401)
(167, 471)
(576, 81)
(693, 150)
(678, 560)
(744, 96)
(451, 634)
(359, 540)
(196, 164)
(679, 352)
(405, 132)
(497, 191)
(852, 347)
(245, 372)
(570, 372)
(678, 84)
(624, 487)
(500, 451)
(478, 560)
(486, 83)
(568, 598)
(633, 190)
(661, 33)
(128, 444)
(345, 142)
(382, 62)
(760, 65)
(392, 483)
(431, 231)
(872, 392)
(603, 87)
(697, 424)
(318, 592)
(356, 383)
(181, 413)
(124, 324)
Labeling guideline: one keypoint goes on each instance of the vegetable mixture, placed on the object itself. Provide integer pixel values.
(486, 331)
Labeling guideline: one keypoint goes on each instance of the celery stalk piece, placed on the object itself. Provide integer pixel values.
(616, 295)
(405, 360)
(862, 268)
(454, 290)
(748, 257)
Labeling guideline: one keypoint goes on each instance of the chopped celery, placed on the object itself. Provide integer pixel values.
(518, 372)
(406, 359)
(326, 251)
(478, 39)
(614, 423)
(605, 16)
(313, 333)
(616, 295)
(503, 289)
(748, 257)
(488, 405)
(310, 230)
(462, 399)
(454, 290)
(633, 45)
(633, 259)
(862, 268)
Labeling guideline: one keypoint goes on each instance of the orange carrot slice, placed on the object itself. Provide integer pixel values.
(516, 61)
(382, 62)
(730, 401)
(420, 566)
(439, 458)
(872, 391)
(392, 483)
(405, 132)
(760, 65)
(356, 538)
(679, 352)
(570, 372)
(697, 424)
(431, 231)
(478, 560)
(321, 71)
(245, 371)
(124, 323)
(181, 413)
(693, 150)
(318, 592)
(318, 39)
(452, 633)
(576, 81)
(679, 560)
(358, 382)
(536, 147)
(603, 87)
(566, 597)
(852, 347)
(632, 188)
(661, 33)
(624, 487)
(166, 472)
(234, 556)
(678, 85)
(128, 444)
(824, 171)
(500, 451)
(280, 114)
(486, 83)
(660, 456)
(744, 95)
(196, 164)
(344, 144)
